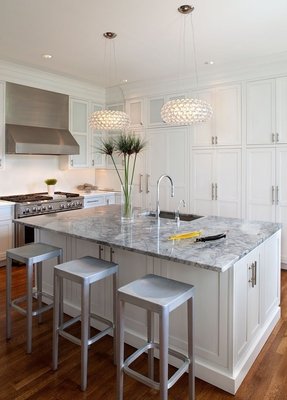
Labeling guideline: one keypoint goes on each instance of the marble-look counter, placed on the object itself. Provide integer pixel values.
(103, 226)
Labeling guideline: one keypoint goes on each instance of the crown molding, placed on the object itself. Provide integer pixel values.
(29, 76)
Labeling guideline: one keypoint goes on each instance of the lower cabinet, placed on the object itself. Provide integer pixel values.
(6, 231)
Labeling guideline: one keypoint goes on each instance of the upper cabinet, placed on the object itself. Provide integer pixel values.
(2, 124)
(154, 108)
(266, 104)
(224, 128)
(98, 159)
(80, 130)
(135, 110)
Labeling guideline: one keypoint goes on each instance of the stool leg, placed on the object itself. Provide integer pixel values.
(85, 318)
(115, 288)
(39, 288)
(56, 317)
(61, 291)
(191, 377)
(29, 269)
(150, 339)
(163, 352)
(8, 297)
(120, 348)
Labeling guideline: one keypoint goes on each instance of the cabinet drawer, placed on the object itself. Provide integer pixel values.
(94, 201)
(6, 213)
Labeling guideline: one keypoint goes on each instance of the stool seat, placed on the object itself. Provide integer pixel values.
(158, 295)
(30, 254)
(84, 271)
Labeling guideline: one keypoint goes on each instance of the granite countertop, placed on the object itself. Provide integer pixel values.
(144, 235)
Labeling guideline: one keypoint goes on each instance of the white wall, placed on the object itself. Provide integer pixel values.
(26, 174)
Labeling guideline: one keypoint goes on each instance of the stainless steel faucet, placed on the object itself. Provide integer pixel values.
(157, 198)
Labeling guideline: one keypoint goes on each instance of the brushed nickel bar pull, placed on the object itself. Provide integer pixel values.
(100, 251)
(216, 140)
(212, 139)
(255, 272)
(277, 137)
(93, 163)
(215, 186)
(72, 163)
(273, 192)
(277, 194)
(111, 254)
(0, 162)
(140, 183)
(147, 183)
(212, 191)
(273, 137)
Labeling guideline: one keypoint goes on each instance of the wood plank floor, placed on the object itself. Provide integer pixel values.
(25, 376)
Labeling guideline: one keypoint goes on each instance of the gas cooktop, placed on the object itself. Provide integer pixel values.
(31, 197)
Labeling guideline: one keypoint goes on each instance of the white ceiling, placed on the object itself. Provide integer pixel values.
(229, 32)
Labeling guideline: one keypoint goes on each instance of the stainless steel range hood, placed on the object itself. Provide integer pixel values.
(37, 122)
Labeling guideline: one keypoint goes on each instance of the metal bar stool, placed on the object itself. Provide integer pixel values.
(34, 253)
(85, 271)
(157, 295)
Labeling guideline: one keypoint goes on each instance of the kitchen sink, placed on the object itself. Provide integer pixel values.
(171, 215)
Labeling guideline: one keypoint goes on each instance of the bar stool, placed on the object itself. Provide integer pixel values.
(85, 271)
(34, 253)
(157, 295)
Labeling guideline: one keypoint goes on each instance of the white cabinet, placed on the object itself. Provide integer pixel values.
(224, 128)
(135, 110)
(96, 200)
(6, 230)
(267, 187)
(80, 130)
(216, 182)
(2, 124)
(266, 103)
(168, 153)
(247, 300)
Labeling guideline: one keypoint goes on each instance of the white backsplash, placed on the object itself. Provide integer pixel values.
(27, 173)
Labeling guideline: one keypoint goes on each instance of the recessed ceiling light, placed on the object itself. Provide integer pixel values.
(47, 56)
(209, 62)
(125, 81)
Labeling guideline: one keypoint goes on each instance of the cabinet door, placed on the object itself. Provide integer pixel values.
(204, 132)
(6, 237)
(168, 154)
(79, 129)
(98, 159)
(227, 115)
(228, 183)
(261, 112)
(281, 107)
(246, 301)
(260, 184)
(281, 196)
(203, 190)
(135, 110)
(154, 109)
(2, 124)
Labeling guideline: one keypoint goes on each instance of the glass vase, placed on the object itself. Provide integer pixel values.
(127, 203)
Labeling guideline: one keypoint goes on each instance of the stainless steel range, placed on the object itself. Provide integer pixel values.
(28, 205)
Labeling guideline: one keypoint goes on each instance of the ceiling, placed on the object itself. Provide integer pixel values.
(228, 32)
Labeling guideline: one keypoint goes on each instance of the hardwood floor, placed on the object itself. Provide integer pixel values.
(25, 376)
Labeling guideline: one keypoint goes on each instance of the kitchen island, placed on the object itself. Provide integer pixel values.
(236, 279)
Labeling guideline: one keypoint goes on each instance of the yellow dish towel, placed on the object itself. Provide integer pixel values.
(187, 235)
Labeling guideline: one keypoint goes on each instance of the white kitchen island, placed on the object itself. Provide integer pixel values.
(236, 279)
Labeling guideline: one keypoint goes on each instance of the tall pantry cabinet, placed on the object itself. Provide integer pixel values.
(266, 154)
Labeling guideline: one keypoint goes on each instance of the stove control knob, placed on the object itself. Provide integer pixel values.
(50, 207)
(34, 209)
(62, 206)
(44, 208)
(39, 209)
(72, 204)
(27, 210)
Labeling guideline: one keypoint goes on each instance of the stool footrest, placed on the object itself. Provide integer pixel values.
(94, 338)
(23, 311)
(148, 381)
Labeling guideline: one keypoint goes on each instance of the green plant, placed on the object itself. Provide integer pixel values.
(51, 181)
(128, 146)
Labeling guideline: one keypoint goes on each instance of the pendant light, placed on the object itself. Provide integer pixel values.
(186, 111)
(109, 120)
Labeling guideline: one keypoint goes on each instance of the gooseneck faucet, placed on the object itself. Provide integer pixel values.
(157, 198)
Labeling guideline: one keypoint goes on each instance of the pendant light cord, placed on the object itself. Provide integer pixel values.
(194, 52)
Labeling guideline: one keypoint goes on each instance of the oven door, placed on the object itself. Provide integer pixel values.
(23, 235)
